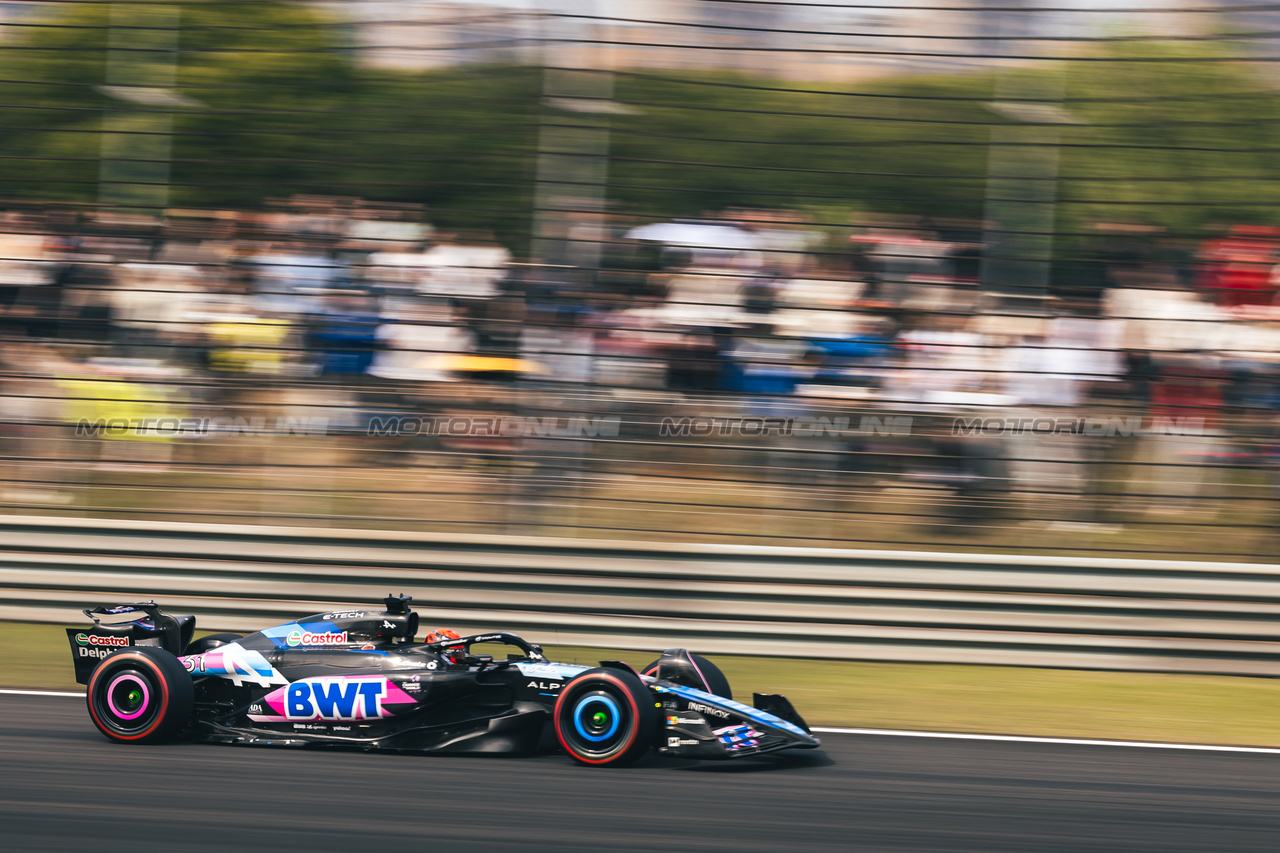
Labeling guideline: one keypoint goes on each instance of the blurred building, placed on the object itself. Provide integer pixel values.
(413, 35)
(814, 41)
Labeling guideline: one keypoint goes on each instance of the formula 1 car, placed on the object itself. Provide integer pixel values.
(357, 678)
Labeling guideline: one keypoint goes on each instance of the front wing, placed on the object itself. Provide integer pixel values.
(702, 725)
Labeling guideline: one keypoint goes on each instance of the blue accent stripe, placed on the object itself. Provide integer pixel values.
(587, 702)
(728, 704)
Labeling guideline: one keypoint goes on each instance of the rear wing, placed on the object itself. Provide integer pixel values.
(120, 626)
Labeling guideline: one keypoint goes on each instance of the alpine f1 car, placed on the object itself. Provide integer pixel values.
(358, 678)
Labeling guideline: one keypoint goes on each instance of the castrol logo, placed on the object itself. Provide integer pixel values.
(306, 638)
(95, 640)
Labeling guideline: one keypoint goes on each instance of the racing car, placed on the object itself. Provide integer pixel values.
(357, 677)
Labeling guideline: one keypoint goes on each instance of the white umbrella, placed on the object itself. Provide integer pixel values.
(700, 235)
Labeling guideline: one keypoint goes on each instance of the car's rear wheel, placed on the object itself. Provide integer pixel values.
(606, 718)
(711, 678)
(209, 642)
(141, 695)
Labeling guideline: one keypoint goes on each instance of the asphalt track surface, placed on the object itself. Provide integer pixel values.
(63, 787)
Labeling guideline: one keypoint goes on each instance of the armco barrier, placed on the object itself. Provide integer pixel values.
(869, 605)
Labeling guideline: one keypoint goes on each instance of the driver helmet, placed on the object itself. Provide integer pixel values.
(453, 654)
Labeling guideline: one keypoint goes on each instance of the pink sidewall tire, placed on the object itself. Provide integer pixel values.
(140, 695)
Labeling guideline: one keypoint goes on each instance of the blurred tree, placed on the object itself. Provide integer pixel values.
(707, 141)
(1170, 134)
(258, 68)
(285, 109)
(461, 140)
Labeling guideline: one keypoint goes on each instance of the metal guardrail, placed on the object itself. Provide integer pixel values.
(869, 605)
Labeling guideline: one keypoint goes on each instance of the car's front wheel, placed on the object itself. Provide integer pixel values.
(140, 695)
(606, 717)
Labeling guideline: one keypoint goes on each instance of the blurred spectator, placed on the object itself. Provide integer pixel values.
(293, 280)
(416, 341)
(1140, 374)
(1238, 268)
(345, 334)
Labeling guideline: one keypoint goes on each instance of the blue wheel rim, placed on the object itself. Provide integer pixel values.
(589, 705)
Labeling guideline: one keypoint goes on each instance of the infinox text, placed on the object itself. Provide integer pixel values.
(707, 709)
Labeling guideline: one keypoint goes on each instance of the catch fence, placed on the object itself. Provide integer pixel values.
(937, 276)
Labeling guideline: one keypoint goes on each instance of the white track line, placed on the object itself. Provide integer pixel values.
(1135, 744)
(41, 693)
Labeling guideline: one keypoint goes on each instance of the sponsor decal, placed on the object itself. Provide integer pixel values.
(334, 699)
(368, 647)
(412, 686)
(755, 715)
(306, 638)
(546, 685)
(95, 640)
(700, 708)
(685, 721)
(738, 737)
(361, 697)
(549, 670)
(233, 662)
(86, 652)
(681, 741)
(539, 670)
(342, 614)
(124, 608)
(386, 624)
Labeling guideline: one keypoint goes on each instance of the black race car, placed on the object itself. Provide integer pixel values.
(358, 678)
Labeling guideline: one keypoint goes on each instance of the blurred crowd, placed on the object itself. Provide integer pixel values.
(338, 312)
